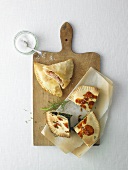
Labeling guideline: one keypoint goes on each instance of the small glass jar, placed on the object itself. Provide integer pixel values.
(27, 36)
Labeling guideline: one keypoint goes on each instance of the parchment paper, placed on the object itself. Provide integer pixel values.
(83, 148)
(74, 144)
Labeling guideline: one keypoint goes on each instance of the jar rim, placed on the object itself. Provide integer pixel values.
(28, 32)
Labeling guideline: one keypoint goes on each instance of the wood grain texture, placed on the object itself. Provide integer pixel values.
(41, 98)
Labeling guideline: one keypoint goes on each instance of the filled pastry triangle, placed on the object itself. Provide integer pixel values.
(59, 123)
(88, 129)
(61, 72)
(46, 82)
(85, 96)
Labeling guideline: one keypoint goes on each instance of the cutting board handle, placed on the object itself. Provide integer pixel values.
(66, 33)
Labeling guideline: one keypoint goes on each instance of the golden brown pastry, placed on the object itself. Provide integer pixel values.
(59, 123)
(85, 96)
(46, 82)
(88, 129)
(61, 72)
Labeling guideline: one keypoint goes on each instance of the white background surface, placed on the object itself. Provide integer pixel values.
(100, 26)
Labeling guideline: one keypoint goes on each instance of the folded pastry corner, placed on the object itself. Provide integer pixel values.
(61, 72)
(46, 82)
(85, 96)
(59, 123)
(88, 129)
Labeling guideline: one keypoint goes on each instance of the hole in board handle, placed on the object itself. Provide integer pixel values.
(66, 39)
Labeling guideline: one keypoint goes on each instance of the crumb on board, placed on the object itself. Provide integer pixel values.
(44, 55)
(37, 56)
(41, 127)
(51, 58)
(37, 59)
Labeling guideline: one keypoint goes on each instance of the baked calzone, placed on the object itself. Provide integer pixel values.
(88, 129)
(85, 96)
(61, 72)
(59, 123)
(46, 82)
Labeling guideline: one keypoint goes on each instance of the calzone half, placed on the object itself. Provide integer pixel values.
(88, 129)
(85, 96)
(59, 123)
(61, 72)
(46, 82)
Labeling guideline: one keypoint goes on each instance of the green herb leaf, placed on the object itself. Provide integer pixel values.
(55, 106)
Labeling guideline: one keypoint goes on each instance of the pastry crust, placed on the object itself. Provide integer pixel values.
(58, 124)
(84, 96)
(88, 129)
(61, 72)
(46, 82)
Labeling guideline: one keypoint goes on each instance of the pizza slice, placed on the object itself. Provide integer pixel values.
(46, 82)
(88, 129)
(84, 96)
(59, 123)
(61, 72)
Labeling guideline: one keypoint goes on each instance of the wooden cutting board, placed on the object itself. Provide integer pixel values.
(41, 98)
